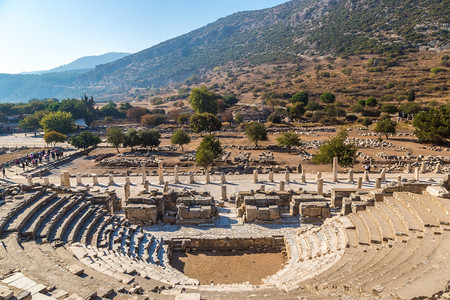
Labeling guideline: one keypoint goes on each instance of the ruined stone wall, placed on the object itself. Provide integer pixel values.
(264, 244)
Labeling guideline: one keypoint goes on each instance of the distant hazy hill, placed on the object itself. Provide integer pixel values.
(85, 63)
(279, 34)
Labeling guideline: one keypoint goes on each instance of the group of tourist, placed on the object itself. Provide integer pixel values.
(35, 158)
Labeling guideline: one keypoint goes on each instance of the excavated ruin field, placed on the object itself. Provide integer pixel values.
(225, 267)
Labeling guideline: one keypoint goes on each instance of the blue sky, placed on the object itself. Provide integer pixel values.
(43, 34)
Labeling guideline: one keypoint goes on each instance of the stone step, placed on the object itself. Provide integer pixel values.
(436, 209)
(442, 202)
(397, 224)
(405, 214)
(87, 235)
(34, 226)
(81, 224)
(361, 229)
(422, 214)
(99, 230)
(64, 223)
(372, 226)
(386, 229)
(26, 213)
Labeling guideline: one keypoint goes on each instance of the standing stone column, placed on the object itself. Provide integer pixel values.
(29, 180)
(303, 177)
(350, 176)
(320, 187)
(144, 173)
(366, 177)
(66, 179)
(335, 169)
(423, 167)
(111, 180)
(223, 180)
(208, 178)
(299, 169)
(79, 182)
(262, 188)
(224, 193)
(399, 178)
(46, 181)
(383, 175)
(88, 188)
(359, 186)
(286, 176)
(61, 180)
(191, 178)
(416, 174)
(437, 170)
(146, 184)
(94, 179)
(166, 187)
(255, 176)
(378, 183)
(175, 174)
(271, 176)
(126, 188)
(161, 172)
(318, 176)
(408, 168)
(282, 184)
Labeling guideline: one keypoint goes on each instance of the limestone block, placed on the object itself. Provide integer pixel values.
(438, 191)
(263, 214)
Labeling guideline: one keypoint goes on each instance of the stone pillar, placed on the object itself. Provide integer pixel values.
(437, 170)
(366, 177)
(262, 188)
(208, 178)
(127, 180)
(127, 189)
(144, 173)
(408, 168)
(66, 179)
(79, 182)
(29, 180)
(191, 178)
(282, 183)
(359, 186)
(166, 187)
(94, 179)
(223, 180)
(46, 181)
(111, 180)
(416, 174)
(318, 176)
(88, 188)
(146, 186)
(271, 176)
(423, 167)
(161, 172)
(61, 180)
(224, 193)
(335, 169)
(299, 169)
(255, 176)
(350, 176)
(303, 177)
(286, 176)
(320, 187)
(383, 175)
(378, 183)
(399, 178)
(175, 174)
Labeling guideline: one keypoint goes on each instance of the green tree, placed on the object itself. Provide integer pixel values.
(208, 150)
(149, 138)
(179, 137)
(53, 137)
(59, 121)
(205, 122)
(32, 121)
(337, 147)
(433, 125)
(386, 126)
(371, 102)
(203, 101)
(131, 139)
(302, 97)
(328, 97)
(153, 119)
(411, 96)
(115, 137)
(361, 102)
(239, 118)
(367, 122)
(256, 132)
(85, 140)
(297, 110)
(110, 110)
(389, 108)
(136, 113)
(289, 139)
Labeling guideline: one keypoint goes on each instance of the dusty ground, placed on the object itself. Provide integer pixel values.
(225, 267)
